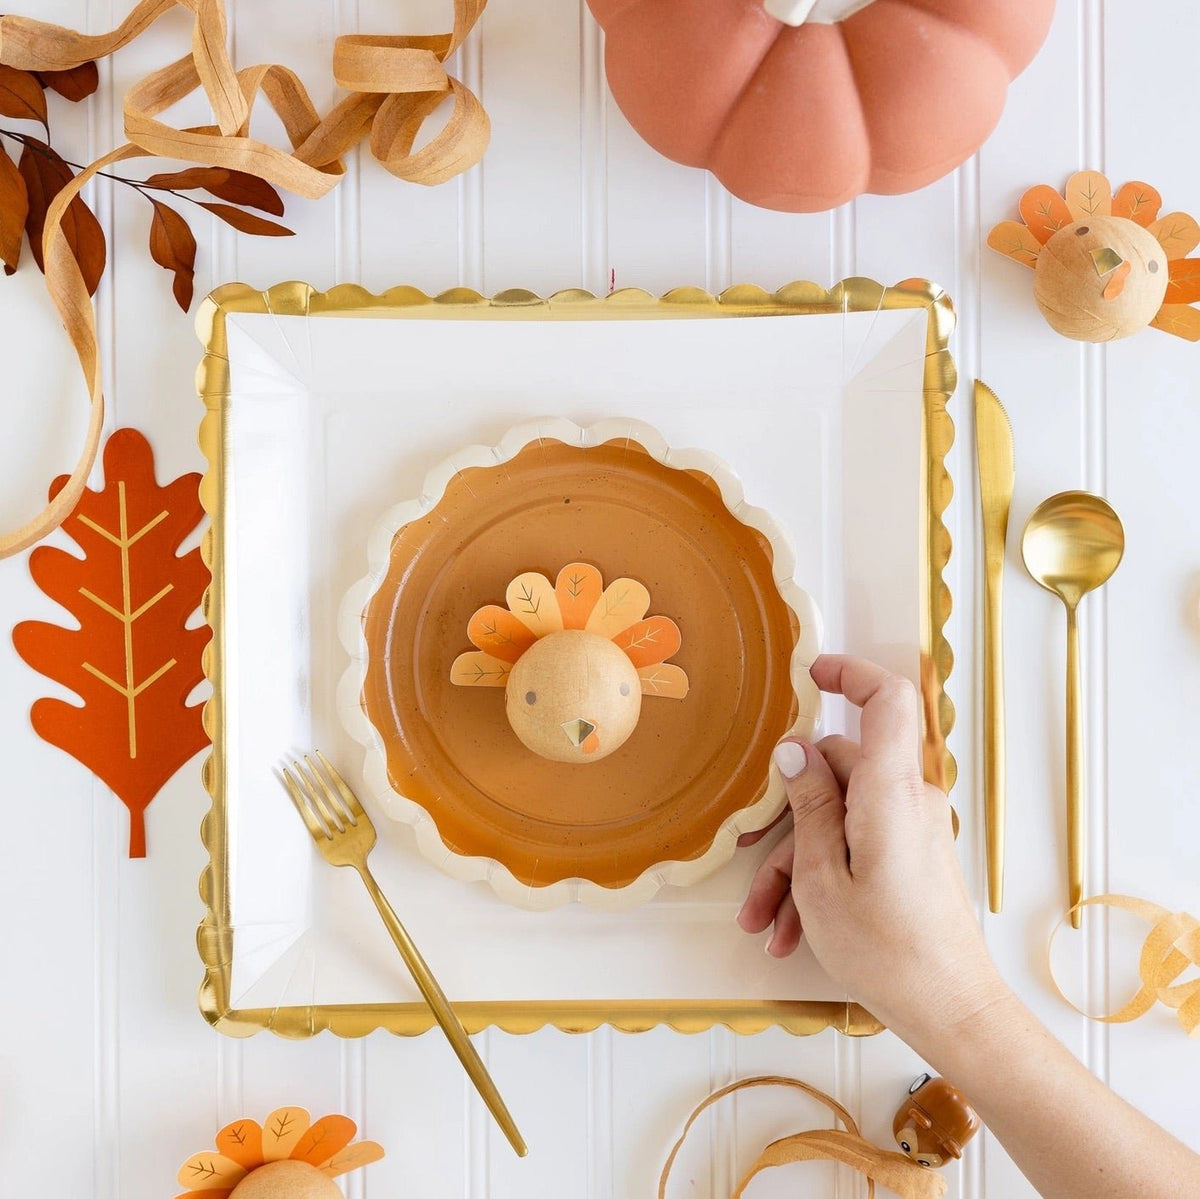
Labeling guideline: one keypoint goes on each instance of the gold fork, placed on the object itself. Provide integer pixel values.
(344, 836)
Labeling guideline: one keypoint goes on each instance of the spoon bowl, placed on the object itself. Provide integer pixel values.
(1071, 545)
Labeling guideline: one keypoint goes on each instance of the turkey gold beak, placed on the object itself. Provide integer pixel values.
(578, 731)
(1108, 262)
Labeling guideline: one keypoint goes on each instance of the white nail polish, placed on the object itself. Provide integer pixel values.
(790, 758)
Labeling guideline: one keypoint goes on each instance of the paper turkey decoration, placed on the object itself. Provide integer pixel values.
(288, 1156)
(574, 658)
(801, 105)
(1106, 265)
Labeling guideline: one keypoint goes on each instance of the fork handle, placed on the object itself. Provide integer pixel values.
(445, 1014)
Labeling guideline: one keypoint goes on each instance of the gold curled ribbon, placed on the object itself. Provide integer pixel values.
(892, 1170)
(394, 84)
(1171, 947)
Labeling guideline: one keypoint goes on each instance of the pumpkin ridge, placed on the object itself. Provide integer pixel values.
(948, 161)
(725, 131)
(711, 148)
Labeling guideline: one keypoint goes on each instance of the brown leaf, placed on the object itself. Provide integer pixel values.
(237, 187)
(173, 247)
(247, 222)
(75, 84)
(21, 95)
(45, 175)
(14, 207)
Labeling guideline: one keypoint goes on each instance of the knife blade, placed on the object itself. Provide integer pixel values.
(994, 448)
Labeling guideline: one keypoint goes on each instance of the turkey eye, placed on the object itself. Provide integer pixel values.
(906, 1146)
(624, 688)
(922, 1162)
(1082, 230)
(531, 697)
(1152, 267)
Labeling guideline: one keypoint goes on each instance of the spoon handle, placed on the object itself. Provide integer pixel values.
(1074, 770)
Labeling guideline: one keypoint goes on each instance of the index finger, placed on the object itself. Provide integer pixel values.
(890, 724)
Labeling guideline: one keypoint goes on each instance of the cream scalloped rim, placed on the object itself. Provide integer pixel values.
(399, 807)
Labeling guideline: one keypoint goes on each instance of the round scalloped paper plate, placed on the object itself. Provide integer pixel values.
(669, 805)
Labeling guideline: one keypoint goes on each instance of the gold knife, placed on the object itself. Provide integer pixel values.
(994, 445)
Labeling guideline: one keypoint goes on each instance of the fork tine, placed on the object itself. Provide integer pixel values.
(318, 795)
(349, 798)
(301, 804)
(331, 797)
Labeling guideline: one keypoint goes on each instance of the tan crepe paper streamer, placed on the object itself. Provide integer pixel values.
(1172, 946)
(892, 1170)
(395, 83)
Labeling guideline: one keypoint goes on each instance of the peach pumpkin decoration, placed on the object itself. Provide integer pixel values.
(804, 117)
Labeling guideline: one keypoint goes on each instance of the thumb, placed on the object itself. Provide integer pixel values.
(818, 808)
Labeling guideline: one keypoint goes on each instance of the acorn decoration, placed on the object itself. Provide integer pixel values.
(575, 658)
(288, 1156)
(934, 1122)
(1106, 265)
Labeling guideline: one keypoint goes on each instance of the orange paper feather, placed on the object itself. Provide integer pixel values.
(1044, 211)
(131, 660)
(1137, 202)
(650, 641)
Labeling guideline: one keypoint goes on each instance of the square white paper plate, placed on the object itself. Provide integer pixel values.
(330, 420)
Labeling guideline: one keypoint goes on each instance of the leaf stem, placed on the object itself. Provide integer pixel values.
(138, 185)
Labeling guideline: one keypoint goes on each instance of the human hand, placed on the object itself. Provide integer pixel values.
(869, 872)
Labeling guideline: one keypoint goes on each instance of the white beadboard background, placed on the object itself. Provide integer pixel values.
(109, 1078)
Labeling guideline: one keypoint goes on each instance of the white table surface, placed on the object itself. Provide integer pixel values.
(109, 1078)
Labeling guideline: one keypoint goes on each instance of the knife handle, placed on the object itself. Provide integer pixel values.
(993, 739)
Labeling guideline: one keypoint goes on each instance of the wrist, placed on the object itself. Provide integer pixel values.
(945, 1019)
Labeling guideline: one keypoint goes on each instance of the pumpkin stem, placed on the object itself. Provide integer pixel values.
(790, 12)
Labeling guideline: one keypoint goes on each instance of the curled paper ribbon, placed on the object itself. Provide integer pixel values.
(892, 1170)
(394, 84)
(1171, 947)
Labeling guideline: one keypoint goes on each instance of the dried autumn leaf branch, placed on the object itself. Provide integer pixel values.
(29, 186)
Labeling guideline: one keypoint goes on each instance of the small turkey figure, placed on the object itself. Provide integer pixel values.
(1106, 265)
(575, 658)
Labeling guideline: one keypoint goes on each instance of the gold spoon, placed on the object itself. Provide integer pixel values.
(1071, 545)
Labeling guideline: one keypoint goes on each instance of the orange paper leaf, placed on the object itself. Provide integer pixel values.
(325, 1139)
(1088, 193)
(209, 1172)
(242, 1141)
(578, 588)
(1137, 202)
(1180, 320)
(1177, 233)
(1183, 282)
(1016, 241)
(282, 1131)
(131, 660)
(498, 632)
(650, 641)
(1044, 211)
(351, 1158)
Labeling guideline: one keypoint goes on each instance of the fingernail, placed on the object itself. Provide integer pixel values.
(767, 947)
(790, 758)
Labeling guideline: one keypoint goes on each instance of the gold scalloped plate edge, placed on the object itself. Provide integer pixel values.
(214, 936)
(468, 868)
